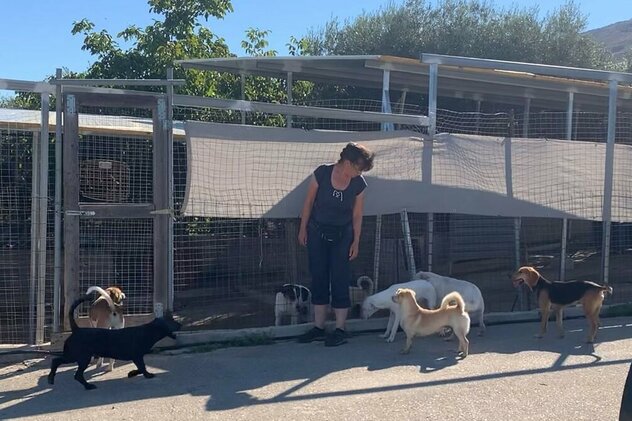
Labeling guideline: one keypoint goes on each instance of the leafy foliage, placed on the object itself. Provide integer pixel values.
(471, 28)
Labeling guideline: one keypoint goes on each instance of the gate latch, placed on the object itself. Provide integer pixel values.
(79, 213)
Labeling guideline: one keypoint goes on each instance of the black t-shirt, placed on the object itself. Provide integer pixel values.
(331, 206)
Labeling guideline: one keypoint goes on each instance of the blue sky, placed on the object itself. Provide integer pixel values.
(35, 35)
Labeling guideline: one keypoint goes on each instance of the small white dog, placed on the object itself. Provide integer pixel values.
(107, 312)
(418, 321)
(444, 285)
(293, 300)
(384, 299)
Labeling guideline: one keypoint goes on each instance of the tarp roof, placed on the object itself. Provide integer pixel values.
(88, 123)
(412, 75)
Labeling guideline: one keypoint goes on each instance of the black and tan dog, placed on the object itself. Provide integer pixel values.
(557, 295)
(129, 344)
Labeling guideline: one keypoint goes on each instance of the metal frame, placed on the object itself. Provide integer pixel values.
(412, 76)
(613, 79)
(316, 112)
(159, 210)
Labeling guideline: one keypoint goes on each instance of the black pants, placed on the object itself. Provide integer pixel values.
(329, 265)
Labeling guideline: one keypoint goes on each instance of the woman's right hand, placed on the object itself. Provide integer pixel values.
(302, 236)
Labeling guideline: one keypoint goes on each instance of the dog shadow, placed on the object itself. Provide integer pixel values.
(228, 377)
(572, 343)
(286, 371)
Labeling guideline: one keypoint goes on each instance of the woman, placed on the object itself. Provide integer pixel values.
(331, 223)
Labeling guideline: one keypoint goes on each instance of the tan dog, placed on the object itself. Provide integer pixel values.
(107, 312)
(418, 321)
(558, 295)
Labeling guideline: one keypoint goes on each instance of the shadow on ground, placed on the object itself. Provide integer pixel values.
(228, 376)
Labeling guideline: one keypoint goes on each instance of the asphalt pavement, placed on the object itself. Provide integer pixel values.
(509, 375)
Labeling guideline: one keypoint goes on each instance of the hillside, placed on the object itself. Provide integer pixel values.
(616, 37)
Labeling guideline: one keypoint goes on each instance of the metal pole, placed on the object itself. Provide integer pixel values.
(479, 103)
(42, 210)
(58, 210)
(242, 78)
(412, 270)
(169, 159)
(288, 117)
(509, 190)
(35, 185)
(569, 134)
(608, 175)
(386, 99)
(376, 251)
(432, 100)
(525, 117)
(427, 151)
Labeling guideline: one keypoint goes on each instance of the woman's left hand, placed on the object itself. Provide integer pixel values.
(353, 251)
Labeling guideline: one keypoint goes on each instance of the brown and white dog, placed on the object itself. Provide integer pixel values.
(557, 295)
(107, 312)
(418, 321)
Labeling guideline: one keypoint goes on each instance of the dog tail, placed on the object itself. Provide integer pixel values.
(104, 295)
(71, 313)
(453, 296)
(365, 283)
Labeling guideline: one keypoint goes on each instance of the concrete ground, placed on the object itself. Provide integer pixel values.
(509, 375)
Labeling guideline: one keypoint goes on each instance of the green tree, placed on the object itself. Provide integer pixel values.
(471, 28)
(178, 35)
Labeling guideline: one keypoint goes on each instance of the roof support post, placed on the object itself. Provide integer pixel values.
(569, 134)
(386, 99)
(426, 170)
(607, 184)
(289, 98)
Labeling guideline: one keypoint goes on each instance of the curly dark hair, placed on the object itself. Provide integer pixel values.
(359, 155)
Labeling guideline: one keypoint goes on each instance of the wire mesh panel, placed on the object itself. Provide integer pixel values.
(15, 234)
(228, 267)
(118, 252)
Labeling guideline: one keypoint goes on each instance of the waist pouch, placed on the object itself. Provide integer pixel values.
(330, 233)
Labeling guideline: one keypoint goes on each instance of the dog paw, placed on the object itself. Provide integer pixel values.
(51, 380)
(404, 351)
(538, 336)
(390, 340)
(149, 375)
(89, 386)
(383, 335)
(133, 373)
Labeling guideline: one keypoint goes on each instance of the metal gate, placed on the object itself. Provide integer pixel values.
(117, 199)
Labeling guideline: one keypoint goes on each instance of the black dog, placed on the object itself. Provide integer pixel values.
(130, 343)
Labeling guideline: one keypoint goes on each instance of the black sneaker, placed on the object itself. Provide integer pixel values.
(314, 334)
(337, 337)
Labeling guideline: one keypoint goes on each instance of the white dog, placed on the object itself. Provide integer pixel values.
(384, 299)
(295, 301)
(444, 285)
